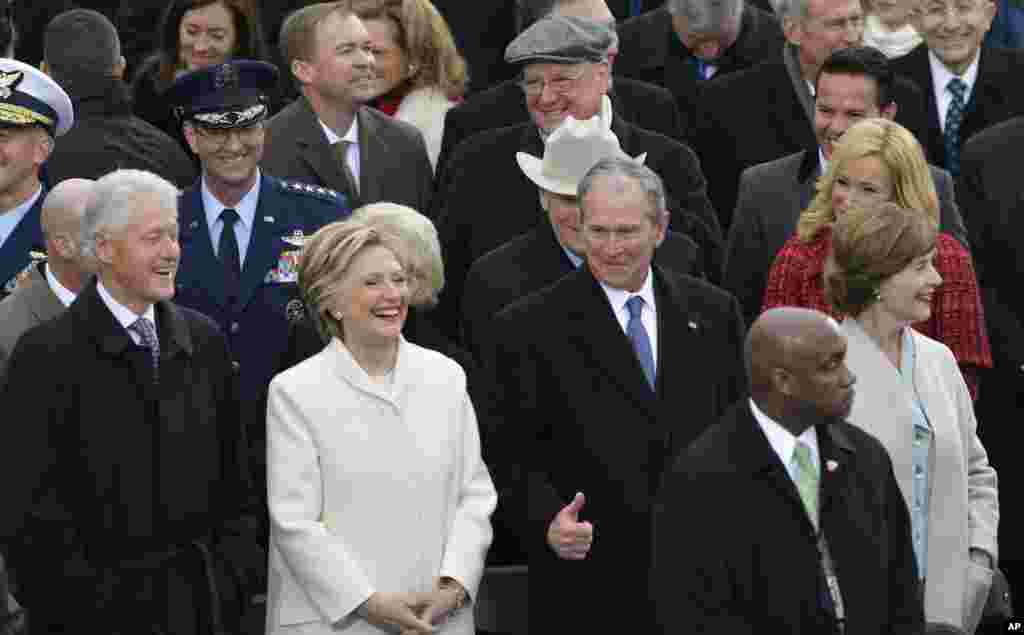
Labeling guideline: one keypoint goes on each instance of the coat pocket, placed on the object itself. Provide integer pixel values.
(978, 583)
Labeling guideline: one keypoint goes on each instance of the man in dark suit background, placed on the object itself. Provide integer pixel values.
(565, 74)
(686, 42)
(83, 55)
(783, 518)
(991, 191)
(128, 502)
(53, 283)
(966, 87)
(640, 103)
(853, 84)
(328, 136)
(605, 375)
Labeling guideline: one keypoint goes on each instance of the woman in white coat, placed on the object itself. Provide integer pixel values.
(379, 500)
(912, 397)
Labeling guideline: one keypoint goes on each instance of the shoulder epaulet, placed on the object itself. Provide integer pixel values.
(314, 191)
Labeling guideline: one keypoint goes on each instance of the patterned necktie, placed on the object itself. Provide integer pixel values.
(699, 68)
(806, 480)
(230, 259)
(638, 337)
(147, 333)
(954, 117)
(341, 151)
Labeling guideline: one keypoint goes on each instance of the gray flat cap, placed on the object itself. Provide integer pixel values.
(562, 40)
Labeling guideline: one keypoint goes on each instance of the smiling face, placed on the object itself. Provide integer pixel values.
(23, 149)
(206, 36)
(138, 261)
(391, 63)
(841, 101)
(953, 30)
(861, 182)
(555, 91)
(906, 297)
(229, 155)
(375, 299)
(342, 70)
(829, 25)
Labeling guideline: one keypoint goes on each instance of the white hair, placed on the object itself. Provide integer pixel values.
(112, 206)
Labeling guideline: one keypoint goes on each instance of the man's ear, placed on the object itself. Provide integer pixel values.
(118, 71)
(793, 29)
(104, 249)
(782, 380)
(190, 136)
(303, 71)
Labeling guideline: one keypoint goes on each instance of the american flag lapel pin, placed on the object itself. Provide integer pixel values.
(831, 465)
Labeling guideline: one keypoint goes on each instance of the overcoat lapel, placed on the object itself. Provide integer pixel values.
(316, 152)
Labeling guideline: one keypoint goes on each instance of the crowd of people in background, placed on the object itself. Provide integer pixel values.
(658, 315)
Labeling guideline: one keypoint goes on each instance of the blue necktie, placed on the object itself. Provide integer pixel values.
(635, 7)
(699, 68)
(227, 251)
(638, 337)
(954, 117)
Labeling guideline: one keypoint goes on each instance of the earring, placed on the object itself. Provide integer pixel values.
(412, 69)
(336, 315)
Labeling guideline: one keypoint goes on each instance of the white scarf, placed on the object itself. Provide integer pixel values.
(893, 43)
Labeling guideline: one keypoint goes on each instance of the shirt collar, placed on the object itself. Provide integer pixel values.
(619, 297)
(782, 440)
(246, 207)
(125, 316)
(351, 135)
(942, 75)
(65, 295)
(822, 162)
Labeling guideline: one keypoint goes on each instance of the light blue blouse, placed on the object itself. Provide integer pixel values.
(921, 457)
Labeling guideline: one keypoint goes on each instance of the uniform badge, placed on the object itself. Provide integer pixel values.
(19, 279)
(287, 269)
(295, 311)
(8, 82)
(296, 239)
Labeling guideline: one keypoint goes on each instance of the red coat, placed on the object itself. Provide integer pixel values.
(957, 319)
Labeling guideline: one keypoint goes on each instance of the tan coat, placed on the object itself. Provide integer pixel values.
(964, 504)
(372, 488)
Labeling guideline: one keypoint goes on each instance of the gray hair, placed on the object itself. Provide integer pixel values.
(649, 182)
(81, 43)
(421, 235)
(705, 16)
(794, 9)
(112, 204)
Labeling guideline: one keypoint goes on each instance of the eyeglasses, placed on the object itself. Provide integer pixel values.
(534, 86)
(843, 25)
(218, 137)
(938, 10)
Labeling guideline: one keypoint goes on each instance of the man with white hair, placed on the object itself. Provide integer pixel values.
(127, 497)
(687, 42)
(766, 111)
(53, 283)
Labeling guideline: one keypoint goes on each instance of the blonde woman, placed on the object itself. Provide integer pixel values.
(379, 500)
(420, 73)
(881, 275)
(875, 161)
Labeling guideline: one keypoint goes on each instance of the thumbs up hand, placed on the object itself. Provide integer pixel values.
(567, 536)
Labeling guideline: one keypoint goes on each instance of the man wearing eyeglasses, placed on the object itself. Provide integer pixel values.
(241, 230)
(967, 87)
(767, 111)
(564, 72)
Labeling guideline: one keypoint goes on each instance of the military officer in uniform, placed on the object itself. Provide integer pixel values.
(241, 229)
(33, 111)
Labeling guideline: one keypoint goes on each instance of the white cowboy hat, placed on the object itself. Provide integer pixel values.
(571, 150)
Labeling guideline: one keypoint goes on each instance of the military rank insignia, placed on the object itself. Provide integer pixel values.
(287, 268)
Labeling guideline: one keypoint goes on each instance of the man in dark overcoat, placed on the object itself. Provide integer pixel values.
(127, 503)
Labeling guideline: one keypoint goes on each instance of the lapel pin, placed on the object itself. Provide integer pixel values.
(296, 239)
(193, 225)
(692, 325)
(831, 465)
(268, 219)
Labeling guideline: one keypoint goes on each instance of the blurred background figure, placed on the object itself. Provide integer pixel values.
(354, 546)
(420, 73)
(888, 28)
(912, 397)
(194, 34)
(878, 160)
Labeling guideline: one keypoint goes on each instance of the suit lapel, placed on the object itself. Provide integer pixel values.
(836, 453)
(41, 299)
(596, 333)
(371, 153)
(986, 104)
(315, 151)
(921, 72)
(265, 244)
(196, 246)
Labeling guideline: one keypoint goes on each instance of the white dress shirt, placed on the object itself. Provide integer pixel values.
(648, 316)
(352, 157)
(246, 209)
(784, 443)
(940, 81)
(9, 219)
(65, 295)
(125, 316)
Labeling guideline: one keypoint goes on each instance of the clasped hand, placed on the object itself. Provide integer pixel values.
(567, 536)
(412, 613)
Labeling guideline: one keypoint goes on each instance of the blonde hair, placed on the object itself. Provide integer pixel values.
(324, 265)
(299, 29)
(426, 266)
(868, 246)
(894, 146)
(427, 41)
